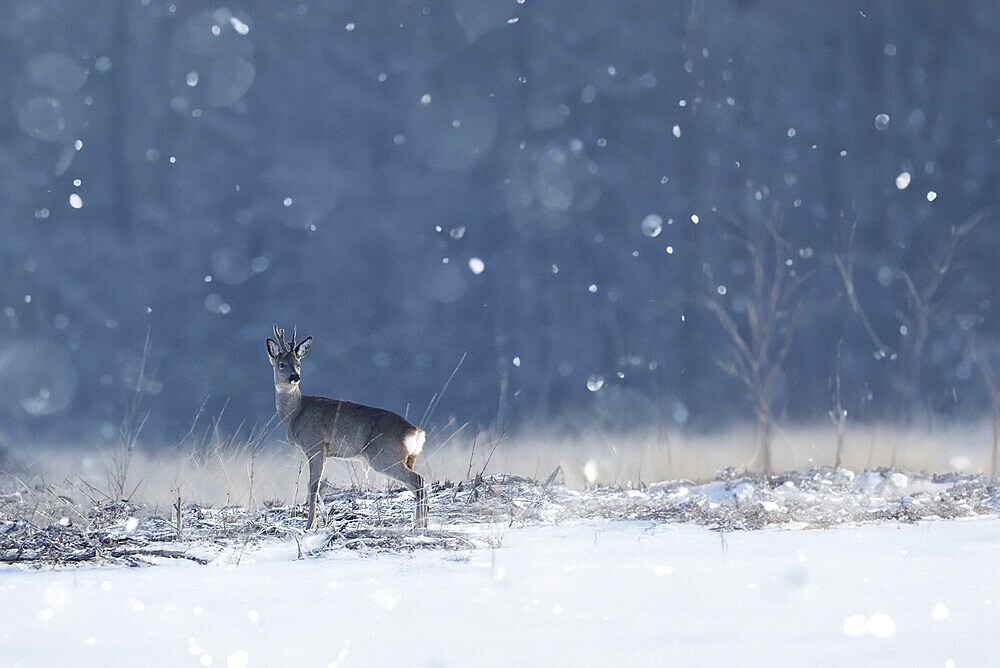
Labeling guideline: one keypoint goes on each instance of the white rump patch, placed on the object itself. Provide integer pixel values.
(414, 443)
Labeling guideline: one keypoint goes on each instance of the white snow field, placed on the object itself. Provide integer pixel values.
(581, 593)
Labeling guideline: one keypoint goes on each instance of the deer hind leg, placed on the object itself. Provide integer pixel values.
(395, 467)
(415, 482)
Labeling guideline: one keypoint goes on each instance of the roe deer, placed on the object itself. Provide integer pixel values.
(324, 428)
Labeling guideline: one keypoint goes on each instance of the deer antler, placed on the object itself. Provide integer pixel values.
(295, 328)
(280, 335)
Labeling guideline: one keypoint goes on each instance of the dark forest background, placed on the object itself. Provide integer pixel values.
(621, 213)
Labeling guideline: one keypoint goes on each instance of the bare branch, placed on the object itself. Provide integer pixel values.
(848, 280)
(729, 325)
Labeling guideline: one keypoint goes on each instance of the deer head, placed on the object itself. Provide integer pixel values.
(286, 359)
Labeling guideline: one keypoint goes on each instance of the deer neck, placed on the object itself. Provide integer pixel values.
(287, 402)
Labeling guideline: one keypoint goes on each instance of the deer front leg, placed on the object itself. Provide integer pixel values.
(316, 463)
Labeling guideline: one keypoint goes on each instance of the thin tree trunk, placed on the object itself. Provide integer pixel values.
(764, 441)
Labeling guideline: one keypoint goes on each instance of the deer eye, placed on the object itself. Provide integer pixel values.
(281, 365)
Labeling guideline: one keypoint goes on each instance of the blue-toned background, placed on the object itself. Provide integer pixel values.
(414, 181)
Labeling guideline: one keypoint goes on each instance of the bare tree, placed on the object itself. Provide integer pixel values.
(992, 385)
(925, 300)
(758, 346)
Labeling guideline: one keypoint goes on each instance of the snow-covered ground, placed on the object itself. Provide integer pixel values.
(592, 592)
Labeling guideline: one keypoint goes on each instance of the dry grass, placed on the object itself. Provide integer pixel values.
(653, 455)
(250, 471)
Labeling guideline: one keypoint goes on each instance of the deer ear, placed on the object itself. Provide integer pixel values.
(303, 348)
(272, 348)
